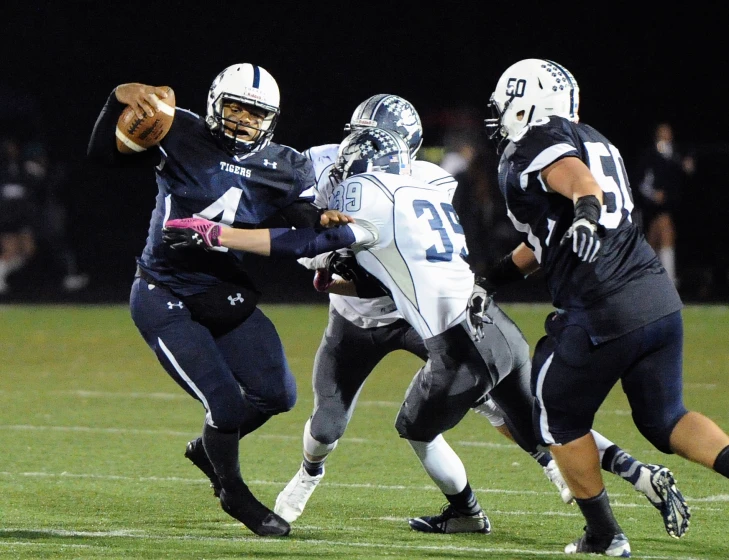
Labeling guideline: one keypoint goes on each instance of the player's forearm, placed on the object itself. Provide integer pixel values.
(282, 242)
(524, 259)
(102, 145)
(256, 241)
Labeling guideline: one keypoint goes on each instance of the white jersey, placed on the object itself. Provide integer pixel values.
(420, 247)
(370, 312)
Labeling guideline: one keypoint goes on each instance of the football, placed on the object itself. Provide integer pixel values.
(136, 135)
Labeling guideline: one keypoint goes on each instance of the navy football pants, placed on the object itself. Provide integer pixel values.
(238, 376)
(571, 378)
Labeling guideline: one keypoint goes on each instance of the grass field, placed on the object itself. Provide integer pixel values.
(93, 435)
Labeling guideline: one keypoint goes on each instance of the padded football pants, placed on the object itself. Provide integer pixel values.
(237, 377)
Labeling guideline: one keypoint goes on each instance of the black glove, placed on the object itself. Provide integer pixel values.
(584, 230)
(478, 303)
(344, 264)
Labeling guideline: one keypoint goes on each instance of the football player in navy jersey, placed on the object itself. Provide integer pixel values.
(618, 314)
(197, 310)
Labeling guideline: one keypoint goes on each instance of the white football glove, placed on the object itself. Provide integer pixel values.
(585, 241)
(476, 315)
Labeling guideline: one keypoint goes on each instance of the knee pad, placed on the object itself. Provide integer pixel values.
(407, 429)
(314, 446)
(226, 412)
(327, 430)
(659, 434)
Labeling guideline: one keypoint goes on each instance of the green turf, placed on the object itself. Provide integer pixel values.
(93, 434)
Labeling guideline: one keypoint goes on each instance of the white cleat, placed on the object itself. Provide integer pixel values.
(291, 501)
(551, 471)
(619, 547)
(659, 486)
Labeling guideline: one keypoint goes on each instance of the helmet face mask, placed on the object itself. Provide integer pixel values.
(247, 85)
(389, 112)
(527, 91)
(372, 149)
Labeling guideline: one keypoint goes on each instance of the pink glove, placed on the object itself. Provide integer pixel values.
(191, 233)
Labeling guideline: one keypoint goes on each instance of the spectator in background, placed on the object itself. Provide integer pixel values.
(663, 174)
(480, 206)
(17, 238)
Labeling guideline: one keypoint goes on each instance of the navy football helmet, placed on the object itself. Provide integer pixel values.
(372, 149)
(250, 85)
(392, 113)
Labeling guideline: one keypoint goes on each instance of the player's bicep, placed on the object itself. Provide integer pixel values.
(571, 178)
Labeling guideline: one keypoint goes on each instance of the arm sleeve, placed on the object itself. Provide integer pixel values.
(102, 144)
(309, 242)
(302, 214)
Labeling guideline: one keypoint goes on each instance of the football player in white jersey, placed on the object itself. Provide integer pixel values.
(407, 235)
(362, 330)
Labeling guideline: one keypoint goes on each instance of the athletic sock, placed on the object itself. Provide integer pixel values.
(541, 457)
(222, 450)
(721, 464)
(465, 501)
(617, 461)
(313, 468)
(599, 518)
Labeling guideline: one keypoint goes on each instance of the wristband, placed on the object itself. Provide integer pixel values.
(588, 208)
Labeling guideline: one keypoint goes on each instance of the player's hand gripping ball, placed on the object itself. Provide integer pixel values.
(136, 135)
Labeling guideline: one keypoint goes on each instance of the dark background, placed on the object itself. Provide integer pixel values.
(636, 64)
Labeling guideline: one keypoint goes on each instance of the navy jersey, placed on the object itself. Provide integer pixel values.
(626, 287)
(270, 187)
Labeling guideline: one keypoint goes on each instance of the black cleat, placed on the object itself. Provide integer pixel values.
(195, 452)
(450, 521)
(244, 507)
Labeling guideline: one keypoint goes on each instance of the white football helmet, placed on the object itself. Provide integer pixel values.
(372, 149)
(248, 84)
(392, 113)
(530, 90)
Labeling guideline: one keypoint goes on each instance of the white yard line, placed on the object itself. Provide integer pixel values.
(316, 543)
(641, 503)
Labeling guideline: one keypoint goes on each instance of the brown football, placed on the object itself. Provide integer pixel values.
(136, 135)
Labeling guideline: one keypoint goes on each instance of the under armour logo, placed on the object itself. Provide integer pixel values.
(197, 239)
(170, 305)
(237, 299)
(273, 164)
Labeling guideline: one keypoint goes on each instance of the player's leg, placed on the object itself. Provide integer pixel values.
(433, 407)
(189, 354)
(654, 387)
(565, 366)
(345, 358)
(463, 514)
(689, 434)
(255, 354)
